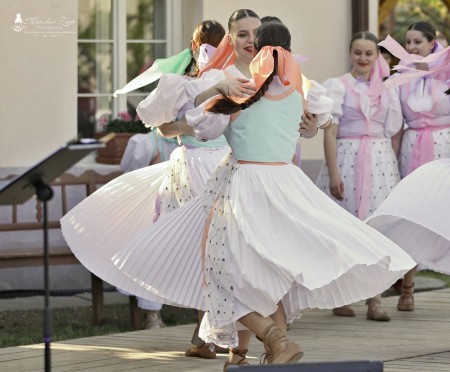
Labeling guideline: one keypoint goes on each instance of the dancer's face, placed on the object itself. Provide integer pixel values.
(242, 35)
(417, 43)
(363, 54)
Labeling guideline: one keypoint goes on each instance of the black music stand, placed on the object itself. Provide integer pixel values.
(35, 180)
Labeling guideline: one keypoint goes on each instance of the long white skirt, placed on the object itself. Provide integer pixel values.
(274, 237)
(126, 206)
(416, 215)
(378, 174)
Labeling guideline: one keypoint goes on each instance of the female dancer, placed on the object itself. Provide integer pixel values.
(255, 201)
(426, 110)
(360, 167)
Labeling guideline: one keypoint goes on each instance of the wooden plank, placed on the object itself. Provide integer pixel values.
(415, 341)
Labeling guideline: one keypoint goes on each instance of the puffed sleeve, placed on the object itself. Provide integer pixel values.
(206, 124)
(162, 104)
(319, 103)
(206, 81)
(140, 151)
(394, 118)
(336, 91)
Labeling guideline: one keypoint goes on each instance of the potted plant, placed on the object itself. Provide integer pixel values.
(124, 126)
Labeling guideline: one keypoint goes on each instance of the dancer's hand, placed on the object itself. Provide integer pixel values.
(236, 87)
(308, 125)
(337, 187)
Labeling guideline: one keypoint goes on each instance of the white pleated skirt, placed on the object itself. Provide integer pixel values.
(274, 236)
(416, 215)
(121, 210)
(441, 150)
(382, 174)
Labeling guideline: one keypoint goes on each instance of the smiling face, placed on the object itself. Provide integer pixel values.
(363, 54)
(417, 43)
(242, 35)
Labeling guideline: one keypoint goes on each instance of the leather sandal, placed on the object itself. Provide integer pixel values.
(241, 362)
(205, 351)
(375, 312)
(406, 299)
(344, 311)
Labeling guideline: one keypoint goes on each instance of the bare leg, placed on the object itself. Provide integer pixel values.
(408, 279)
(406, 299)
(276, 344)
(256, 323)
(237, 355)
(279, 317)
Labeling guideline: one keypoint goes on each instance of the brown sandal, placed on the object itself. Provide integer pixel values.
(406, 299)
(241, 362)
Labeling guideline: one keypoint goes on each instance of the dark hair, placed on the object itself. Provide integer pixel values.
(239, 14)
(268, 34)
(207, 32)
(365, 35)
(427, 29)
(270, 19)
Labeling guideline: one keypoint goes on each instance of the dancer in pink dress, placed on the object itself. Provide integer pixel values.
(423, 79)
(360, 168)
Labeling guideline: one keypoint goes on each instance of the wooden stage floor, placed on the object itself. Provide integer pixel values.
(416, 341)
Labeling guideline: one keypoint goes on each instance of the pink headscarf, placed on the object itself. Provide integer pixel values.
(380, 71)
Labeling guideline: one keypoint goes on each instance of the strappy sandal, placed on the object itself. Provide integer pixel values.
(406, 299)
(241, 362)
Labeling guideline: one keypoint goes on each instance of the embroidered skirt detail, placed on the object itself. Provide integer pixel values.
(188, 171)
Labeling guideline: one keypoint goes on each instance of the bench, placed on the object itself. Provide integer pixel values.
(31, 252)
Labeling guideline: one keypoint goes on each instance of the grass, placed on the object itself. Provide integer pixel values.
(435, 275)
(25, 327)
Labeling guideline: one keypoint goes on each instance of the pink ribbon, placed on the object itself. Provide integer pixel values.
(363, 166)
(441, 69)
(424, 147)
(362, 173)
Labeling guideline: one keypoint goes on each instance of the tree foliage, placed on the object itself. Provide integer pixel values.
(411, 11)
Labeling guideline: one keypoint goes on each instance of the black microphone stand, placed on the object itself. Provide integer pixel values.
(44, 193)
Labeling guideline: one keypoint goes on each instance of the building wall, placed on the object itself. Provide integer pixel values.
(38, 105)
(38, 91)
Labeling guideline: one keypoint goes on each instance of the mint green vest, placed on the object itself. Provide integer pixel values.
(268, 130)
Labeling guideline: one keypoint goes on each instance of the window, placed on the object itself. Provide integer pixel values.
(118, 40)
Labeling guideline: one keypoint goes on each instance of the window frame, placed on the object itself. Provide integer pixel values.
(119, 44)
